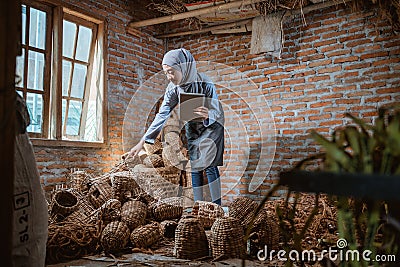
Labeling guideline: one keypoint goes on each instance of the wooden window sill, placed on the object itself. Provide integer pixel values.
(65, 143)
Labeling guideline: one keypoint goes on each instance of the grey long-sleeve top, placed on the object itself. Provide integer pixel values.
(171, 99)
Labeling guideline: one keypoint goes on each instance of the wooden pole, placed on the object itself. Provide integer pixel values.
(217, 27)
(243, 22)
(10, 22)
(192, 13)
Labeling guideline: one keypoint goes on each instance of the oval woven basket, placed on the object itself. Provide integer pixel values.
(265, 232)
(167, 209)
(123, 185)
(99, 193)
(133, 213)
(153, 148)
(153, 161)
(146, 235)
(168, 228)
(64, 203)
(227, 240)
(110, 211)
(115, 237)
(207, 212)
(243, 209)
(190, 239)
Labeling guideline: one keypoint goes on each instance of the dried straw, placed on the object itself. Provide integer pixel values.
(68, 241)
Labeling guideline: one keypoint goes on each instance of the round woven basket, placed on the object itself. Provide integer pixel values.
(207, 212)
(167, 209)
(153, 148)
(110, 211)
(265, 232)
(123, 185)
(153, 160)
(114, 237)
(190, 239)
(146, 235)
(172, 155)
(64, 203)
(133, 213)
(99, 193)
(243, 209)
(168, 228)
(227, 240)
(171, 174)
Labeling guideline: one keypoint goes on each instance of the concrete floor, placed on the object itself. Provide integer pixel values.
(141, 259)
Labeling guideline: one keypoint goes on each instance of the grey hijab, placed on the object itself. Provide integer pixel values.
(182, 60)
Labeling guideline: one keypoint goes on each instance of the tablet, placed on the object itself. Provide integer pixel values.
(187, 103)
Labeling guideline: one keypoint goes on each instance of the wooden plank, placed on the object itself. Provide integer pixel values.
(193, 13)
(65, 143)
(218, 27)
(56, 114)
(10, 36)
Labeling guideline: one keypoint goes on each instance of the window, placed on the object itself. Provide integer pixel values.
(60, 73)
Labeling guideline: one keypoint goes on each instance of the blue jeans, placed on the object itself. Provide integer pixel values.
(214, 183)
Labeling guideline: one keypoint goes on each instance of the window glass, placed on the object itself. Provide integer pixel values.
(23, 23)
(78, 80)
(37, 28)
(66, 76)
(83, 46)
(35, 70)
(74, 117)
(19, 69)
(69, 35)
(34, 103)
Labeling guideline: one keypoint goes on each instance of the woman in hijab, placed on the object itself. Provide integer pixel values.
(205, 137)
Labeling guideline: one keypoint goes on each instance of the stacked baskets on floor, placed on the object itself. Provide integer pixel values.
(227, 238)
(207, 212)
(190, 239)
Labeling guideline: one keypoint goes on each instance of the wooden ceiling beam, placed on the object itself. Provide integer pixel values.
(288, 13)
(193, 13)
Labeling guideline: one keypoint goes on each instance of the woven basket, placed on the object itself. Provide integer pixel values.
(167, 209)
(110, 211)
(114, 237)
(123, 185)
(207, 212)
(153, 148)
(172, 155)
(171, 174)
(63, 204)
(265, 232)
(84, 212)
(227, 239)
(168, 228)
(79, 181)
(133, 213)
(99, 193)
(173, 139)
(243, 209)
(146, 235)
(153, 161)
(190, 239)
(153, 183)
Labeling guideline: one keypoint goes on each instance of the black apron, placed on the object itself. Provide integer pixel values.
(205, 144)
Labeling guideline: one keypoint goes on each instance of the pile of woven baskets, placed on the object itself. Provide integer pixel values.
(209, 231)
(111, 213)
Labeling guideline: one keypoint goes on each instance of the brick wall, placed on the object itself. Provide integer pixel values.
(341, 61)
(131, 60)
